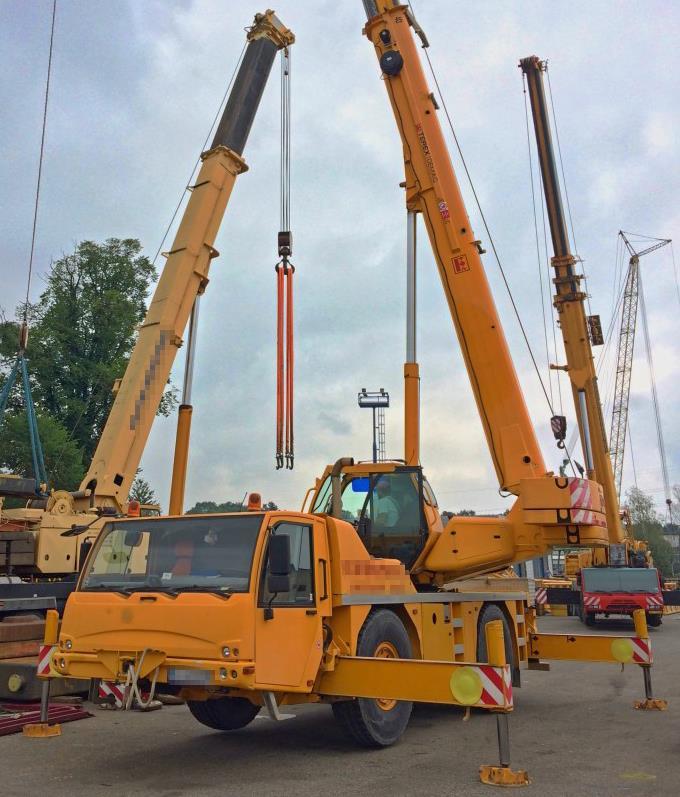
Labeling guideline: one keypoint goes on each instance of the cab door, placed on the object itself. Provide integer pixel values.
(288, 625)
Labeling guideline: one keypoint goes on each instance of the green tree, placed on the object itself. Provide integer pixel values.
(210, 507)
(63, 457)
(141, 490)
(647, 526)
(82, 330)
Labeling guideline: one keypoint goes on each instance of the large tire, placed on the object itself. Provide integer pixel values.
(225, 713)
(653, 620)
(490, 612)
(371, 722)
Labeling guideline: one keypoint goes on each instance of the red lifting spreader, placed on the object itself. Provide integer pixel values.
(284, 355)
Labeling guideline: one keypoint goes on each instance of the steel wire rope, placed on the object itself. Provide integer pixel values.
(491, 239)
(655, 397)
(539, 257)
(198, 159)
(40, 162)
(553, 309)
(564, 183)
(675, 275)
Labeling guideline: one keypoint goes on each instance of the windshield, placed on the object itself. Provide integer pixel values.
(208, 553)
(620, 579)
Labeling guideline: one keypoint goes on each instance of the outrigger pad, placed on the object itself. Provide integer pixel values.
(503, 776)
(19, 486)
(651, 704)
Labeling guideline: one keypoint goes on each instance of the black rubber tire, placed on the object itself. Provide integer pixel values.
(490, 612)
(589, 619)
(362, 718)
(224, 713)
(653, 620)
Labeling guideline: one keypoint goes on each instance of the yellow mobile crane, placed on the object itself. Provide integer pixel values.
(105, 487)
(355, 601)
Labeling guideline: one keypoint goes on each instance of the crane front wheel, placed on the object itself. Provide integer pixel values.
(378, 722)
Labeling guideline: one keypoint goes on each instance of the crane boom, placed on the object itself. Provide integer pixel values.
(569, 299)
(432, 189)
(184, 276)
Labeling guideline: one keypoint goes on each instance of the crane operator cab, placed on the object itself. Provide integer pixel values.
(391, 506)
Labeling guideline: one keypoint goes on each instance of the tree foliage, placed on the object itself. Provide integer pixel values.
(141, 490)
(63, 457)
(82, 331)
(210, 507)
(647, 526)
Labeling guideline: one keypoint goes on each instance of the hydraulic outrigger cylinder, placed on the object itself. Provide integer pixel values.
(568, 301)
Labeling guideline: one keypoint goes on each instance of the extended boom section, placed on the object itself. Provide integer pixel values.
(184, 277)
(569, 299)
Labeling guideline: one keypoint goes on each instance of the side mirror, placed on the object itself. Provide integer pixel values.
(132, 538)
(278, 579)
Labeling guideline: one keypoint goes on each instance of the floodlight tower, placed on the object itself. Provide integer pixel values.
(378, 401)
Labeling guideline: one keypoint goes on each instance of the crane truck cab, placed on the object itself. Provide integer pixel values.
(620, 591)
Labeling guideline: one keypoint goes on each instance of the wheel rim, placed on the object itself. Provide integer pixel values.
(386, 650)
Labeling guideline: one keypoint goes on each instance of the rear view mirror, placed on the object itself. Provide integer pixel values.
(278, 578)
(132, 538)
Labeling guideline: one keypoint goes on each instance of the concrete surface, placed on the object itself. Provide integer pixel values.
(573, 728)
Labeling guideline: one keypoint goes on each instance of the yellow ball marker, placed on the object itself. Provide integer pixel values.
(622, 650)
(466, 686)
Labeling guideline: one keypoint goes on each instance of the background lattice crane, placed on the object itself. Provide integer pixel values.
(632, 296)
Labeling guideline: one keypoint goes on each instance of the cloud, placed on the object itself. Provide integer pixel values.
(135, 88)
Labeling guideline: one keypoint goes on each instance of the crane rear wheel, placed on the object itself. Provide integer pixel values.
(378, 722)
(488, 613)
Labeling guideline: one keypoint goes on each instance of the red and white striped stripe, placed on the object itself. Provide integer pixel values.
(541, 595)
(591, 601)
(496, 686)
(107, 688)
(642, 650)
(654, 602)
(45, 654)
(582, 503)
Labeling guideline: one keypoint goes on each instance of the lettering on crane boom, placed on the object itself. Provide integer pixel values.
(426, 151)
(460, 264)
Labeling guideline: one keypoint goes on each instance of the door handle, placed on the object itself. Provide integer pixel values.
(325, 580)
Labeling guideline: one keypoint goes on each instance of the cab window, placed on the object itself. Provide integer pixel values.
(301, 591)
(387, 510)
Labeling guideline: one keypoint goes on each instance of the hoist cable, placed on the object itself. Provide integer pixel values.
(539, 257)
(40, 163)
(488, 232)
(632, 457)
(553, 310)
(655, 398)
(675, 275)
(198, 160)
(564, 183)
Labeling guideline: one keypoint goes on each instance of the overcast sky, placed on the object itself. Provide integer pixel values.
(135, 85)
